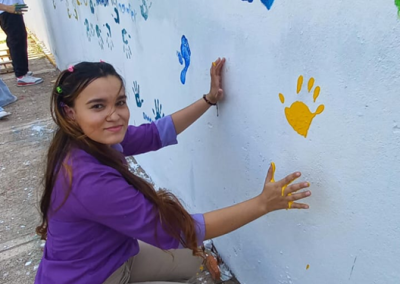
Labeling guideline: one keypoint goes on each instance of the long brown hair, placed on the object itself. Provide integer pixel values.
(173, 217)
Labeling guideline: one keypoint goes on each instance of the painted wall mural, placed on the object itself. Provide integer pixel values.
(145, 41)
(298, 114)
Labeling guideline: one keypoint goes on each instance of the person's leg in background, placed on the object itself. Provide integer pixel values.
(3, 113)
(14, 27)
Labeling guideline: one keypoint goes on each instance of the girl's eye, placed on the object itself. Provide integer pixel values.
(99, 106)
(121, 103)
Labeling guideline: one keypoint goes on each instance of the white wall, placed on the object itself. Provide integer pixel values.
(351, 234)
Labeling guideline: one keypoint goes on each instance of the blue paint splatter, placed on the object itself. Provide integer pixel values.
(136, 91)
(116, 19)
(89, 30)
(146, 117)
(158, 110)
(184, 57)
(268, 3)
(91, 6)
(144, 9)
(102, 2)
(124, 34)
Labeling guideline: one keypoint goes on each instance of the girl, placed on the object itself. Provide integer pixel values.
(102, 223)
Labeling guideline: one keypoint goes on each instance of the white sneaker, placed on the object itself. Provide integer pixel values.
(4, 114)
(30, 73)
(28, 81)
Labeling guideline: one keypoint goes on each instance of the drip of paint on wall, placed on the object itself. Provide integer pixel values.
(136, 91)
(299, 115)
(184, 57)
(144, 9)
(126, 47)
(157, 111)
(397, 3)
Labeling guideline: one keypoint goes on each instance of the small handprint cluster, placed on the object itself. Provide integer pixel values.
(157, 110)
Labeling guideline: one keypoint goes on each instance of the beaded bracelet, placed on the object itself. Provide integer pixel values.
(210, 103)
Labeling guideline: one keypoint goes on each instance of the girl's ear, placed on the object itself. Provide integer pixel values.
(70, 112)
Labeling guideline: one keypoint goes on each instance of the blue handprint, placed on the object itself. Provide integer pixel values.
(109, 40)
(89, 30)
(126, 47)
(101, 41)
(158, 110)
(102, 2)
(144, 9)
(184, 55)
(136, 91)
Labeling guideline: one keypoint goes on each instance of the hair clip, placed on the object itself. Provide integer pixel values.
(62, 104)
(59, 90)
(102, 61)
(71, 68)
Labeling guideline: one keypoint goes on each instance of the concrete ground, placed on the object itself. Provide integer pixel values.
(24, 137)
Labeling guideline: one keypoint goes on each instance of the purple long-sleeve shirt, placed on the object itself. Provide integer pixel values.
(98, 227)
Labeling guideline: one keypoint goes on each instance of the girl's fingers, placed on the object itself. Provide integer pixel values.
(296, 187)
(299, 206)
(289, 179)
(298, 196)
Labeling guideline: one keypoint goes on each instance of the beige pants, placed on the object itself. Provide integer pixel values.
(155, 266)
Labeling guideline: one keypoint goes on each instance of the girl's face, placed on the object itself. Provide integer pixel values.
(101, 111)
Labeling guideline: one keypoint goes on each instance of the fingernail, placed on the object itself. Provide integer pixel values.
(308, 193)
(298, 174)
(307, 207)
(306, 184)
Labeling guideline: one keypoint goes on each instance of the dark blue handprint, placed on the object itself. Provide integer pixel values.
(158, 110)
(136, 91)
(144, 9)
(184, 57)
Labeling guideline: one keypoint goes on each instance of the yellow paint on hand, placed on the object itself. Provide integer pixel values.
(307, 267)
(310, 84)
(214, 64)
(273, 172)
(299, 83)
(283, 188)
(282, 98)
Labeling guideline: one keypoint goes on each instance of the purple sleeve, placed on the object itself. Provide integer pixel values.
(200, 229)
(149, 137)
(114, 203)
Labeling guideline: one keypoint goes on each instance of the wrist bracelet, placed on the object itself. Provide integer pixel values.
(207, 101)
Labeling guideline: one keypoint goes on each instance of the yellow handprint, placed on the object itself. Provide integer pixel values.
(299, 115)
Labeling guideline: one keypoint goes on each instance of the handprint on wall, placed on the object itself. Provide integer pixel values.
(136, 91)
(157, 111)
(298, 114)
(126, 47)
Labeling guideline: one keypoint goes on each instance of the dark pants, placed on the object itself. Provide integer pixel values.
(17, 41)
